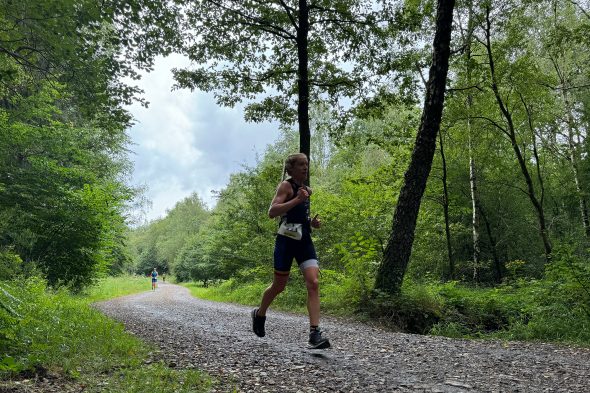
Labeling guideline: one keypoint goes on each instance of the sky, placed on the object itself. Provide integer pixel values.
(184, 142)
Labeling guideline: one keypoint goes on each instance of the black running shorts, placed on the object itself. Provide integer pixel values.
(302, 250)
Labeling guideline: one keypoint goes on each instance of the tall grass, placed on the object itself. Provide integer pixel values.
(52, 332)
(112, 287)
(525, 310)
(334, 296)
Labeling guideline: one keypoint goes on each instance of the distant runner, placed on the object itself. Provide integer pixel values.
(154, 279)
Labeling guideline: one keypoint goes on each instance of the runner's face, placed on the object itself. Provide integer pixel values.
(300, 169)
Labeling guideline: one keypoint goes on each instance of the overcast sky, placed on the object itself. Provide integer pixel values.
(184, 142)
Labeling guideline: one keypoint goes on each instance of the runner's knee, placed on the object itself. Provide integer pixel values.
(280, 281)
(312, 284)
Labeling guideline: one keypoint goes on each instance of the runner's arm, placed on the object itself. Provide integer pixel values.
(278, 206)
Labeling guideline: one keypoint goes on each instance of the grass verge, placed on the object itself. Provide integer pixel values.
(112, 287)
(554, 309)
(47, 334)
(338, 298)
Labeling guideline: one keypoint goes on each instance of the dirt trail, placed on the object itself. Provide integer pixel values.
(216, 338)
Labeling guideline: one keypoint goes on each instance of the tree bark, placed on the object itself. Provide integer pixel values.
(399, 246)
(499, 267)
(475, 203)
(303, 79)
(474, 206)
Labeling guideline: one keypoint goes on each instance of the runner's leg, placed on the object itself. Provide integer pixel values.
(279, 283)
(313, 294)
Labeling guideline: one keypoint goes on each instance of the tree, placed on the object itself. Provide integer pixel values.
(473, 181)
(90, 46)
(149, 259)
(62, 195)
(568, 56)
(399, 246)
(510, 130)
(445, 206)
(278, 51)
(63, 149)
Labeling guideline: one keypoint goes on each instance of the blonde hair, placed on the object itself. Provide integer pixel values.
(290, 163)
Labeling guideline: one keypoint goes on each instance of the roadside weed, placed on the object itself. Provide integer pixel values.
(53, 333)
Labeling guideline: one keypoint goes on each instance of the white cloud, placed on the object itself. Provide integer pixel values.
(185, 143)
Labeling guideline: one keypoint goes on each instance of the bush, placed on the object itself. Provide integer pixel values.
(553, 309)
(448, 309)
(559, 305)
(10, 264)
(359, 258)
(479, 311)
(416, 310)
(43, 331)
(53, 330)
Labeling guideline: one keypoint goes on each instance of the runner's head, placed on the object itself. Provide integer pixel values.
(296, 165)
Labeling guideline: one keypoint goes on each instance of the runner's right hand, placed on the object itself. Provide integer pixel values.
(302, 194)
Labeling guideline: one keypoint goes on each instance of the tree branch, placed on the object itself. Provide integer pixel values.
(268, 75)
(465, 88)
(22, 60)
(581, 9)
(290, 11)
(342, 82)
(563, 88)
(347, 18)
(420, 72)
(493, 122)
(535, 151)
(274, 30)
(253, 21)
(339, 22)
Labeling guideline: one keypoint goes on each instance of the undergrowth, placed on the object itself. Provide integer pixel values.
(293, 298)
(51, 332)
(553, 309)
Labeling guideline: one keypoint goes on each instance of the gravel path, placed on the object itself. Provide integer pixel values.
(216, 338)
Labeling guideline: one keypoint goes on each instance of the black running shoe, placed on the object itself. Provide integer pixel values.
(258, 324)
(316, 341)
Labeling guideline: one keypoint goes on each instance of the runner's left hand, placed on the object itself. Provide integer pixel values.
(316, 222)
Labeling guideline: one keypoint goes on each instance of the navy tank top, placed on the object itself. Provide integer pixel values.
(300, 213)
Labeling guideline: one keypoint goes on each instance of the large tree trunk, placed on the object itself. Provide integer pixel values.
(303, 79)
(399, 246)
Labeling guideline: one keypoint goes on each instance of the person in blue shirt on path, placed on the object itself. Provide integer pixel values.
(291, 203)
(154, 279)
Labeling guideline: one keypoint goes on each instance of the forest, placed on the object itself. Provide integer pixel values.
(448, 150)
